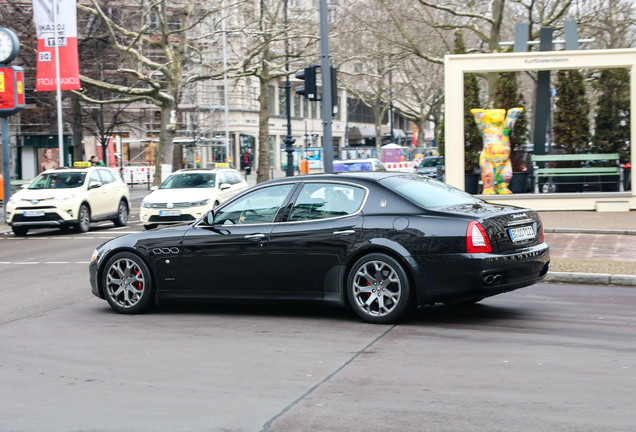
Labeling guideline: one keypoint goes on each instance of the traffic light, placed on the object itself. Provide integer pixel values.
(309, 90)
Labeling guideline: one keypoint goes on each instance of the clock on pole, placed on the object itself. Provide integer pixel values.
(9, 45)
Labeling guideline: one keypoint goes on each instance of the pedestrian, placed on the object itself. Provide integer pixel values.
(249, 159)
(95, 161)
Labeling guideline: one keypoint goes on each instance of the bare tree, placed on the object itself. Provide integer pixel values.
(154, 59)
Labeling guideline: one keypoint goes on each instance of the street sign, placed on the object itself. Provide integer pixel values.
(11, 90)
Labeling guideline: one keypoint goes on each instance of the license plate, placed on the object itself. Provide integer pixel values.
(170, 213)
(521, 233)
(33, 213)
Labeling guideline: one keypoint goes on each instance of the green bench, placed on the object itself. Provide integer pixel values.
(579, 171)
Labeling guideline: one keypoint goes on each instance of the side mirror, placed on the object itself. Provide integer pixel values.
(154, 188)
(225, 186)
(24, 186)
(94, 185)
(209, 218)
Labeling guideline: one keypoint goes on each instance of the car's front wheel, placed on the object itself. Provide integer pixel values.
(122, 214)
(127, 283)
(83, 219)
(378, 289)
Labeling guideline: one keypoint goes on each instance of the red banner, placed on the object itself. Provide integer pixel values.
(47, 21)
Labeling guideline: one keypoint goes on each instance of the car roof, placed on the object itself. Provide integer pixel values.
(201, 170)
(352, 176)
(72, 169)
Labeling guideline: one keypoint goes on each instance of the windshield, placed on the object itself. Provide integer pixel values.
(429, 162)
(59, 180)
(189, 180)
(427, 192)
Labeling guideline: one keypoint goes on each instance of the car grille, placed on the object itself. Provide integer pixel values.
(48, 217)
(163, 219)
(35, 207)
(165, 205)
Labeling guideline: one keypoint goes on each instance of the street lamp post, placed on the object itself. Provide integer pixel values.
(289, 140)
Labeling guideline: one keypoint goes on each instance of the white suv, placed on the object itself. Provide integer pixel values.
(69, 197)
(188, 194)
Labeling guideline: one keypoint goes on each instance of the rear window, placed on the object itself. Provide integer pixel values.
(427, 192)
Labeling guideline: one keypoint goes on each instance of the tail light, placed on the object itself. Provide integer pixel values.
(477, 240)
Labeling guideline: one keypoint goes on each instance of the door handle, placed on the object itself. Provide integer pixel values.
(344, 233)
(255, 237)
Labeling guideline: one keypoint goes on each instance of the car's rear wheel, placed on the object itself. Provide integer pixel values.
(20, 231)
(83, 219)
(127, 283)
(122, 214)
(378, 289)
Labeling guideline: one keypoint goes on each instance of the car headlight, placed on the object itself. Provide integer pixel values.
(199, 203)
(145, 204)
(67, 199)
(11, 200)
(95, 255)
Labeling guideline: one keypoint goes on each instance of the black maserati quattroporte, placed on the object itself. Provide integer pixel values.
(381, 243)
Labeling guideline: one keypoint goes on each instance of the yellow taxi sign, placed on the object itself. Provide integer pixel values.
(222, 165)
(82, 164)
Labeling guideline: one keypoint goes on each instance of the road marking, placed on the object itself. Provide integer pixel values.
(38, 262)
(81, 237)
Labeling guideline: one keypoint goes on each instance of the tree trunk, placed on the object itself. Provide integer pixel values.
(165, 151)
(262, 173)
(78, 129)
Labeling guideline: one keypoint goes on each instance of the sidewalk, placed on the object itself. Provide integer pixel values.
(591, 247)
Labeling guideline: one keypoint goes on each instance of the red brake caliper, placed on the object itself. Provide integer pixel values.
(141, 284)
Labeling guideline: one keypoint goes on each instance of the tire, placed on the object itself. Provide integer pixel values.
(20, 231)
(83, 219)
(378, 289)
(127, 283)
(122, 214)
(149, 227)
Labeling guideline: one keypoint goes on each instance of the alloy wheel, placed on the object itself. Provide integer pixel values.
(376, 288)
(125, 283)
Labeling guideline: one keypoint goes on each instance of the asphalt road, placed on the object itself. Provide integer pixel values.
(544, 358)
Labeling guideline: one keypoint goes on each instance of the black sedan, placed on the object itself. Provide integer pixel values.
(381, 243)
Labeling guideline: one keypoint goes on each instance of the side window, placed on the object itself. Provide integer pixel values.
(260, 206)
(95, 178)
(221, 178)
(326, 200)
(235, 177)
(107, 176)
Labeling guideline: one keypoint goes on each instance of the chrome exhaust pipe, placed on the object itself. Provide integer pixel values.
(497, 278)
(488, 279)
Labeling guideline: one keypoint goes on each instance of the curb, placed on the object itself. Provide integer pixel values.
(591, 278)
(588, 231)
